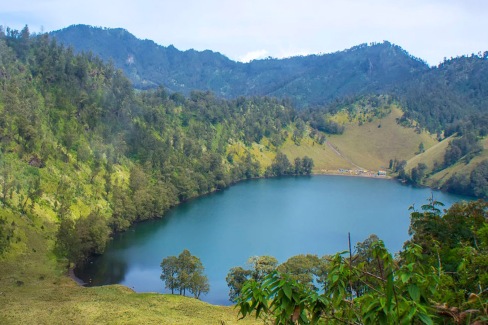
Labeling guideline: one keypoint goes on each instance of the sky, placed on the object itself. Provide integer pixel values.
(244, 30)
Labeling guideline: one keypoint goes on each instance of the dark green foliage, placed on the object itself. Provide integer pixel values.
(183, 273)
(78, 240)
(475, 184)
(421, 148)
(418, 173)
(467, 145)
(260, 267)
(479, 180)
(363, 69)
(236, 277)
(305, 269)
(454, 244)
(455, 90)
(393, 293)
(281, 166)
(440, 276)
(319, 122)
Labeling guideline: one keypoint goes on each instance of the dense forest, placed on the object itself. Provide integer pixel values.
(77, 139)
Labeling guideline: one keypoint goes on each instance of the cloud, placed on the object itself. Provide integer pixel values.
(253, 55)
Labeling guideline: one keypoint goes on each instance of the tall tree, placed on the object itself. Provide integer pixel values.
(183, 273)
(169, 273)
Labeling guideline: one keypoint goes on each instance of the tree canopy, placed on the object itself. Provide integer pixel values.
(184, 273)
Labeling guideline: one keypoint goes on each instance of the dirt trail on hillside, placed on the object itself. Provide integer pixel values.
(336, 150)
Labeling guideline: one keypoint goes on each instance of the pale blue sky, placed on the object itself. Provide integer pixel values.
(248, 29)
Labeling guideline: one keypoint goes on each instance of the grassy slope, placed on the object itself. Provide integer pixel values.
(325, 159)
(365, 145)
(35, 290)
(372, 147)
(437, 179)
(432, 155)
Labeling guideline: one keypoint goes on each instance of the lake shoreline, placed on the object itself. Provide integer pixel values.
(323, 198)
(367, 174)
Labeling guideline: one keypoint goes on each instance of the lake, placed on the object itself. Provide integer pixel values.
(280, 217)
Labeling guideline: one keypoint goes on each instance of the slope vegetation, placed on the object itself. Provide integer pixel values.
(372, 144)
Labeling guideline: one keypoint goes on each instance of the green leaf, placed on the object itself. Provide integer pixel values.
(389, 291)
(414, 292)
(426, 319)
(405, 277)
(287, 290)
(411, 313)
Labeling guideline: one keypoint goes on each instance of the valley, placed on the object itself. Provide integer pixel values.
(89, 148)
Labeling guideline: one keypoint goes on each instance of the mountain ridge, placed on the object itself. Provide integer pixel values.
(311, 80)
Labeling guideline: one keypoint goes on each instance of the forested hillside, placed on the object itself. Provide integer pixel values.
(308, 80)
(81, 147)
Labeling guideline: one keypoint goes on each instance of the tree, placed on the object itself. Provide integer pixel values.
(236, 277)
(7, 181)
(303, 268)
(421, 148)
(401, 297)
(169, 268)
(307, 165)
(67, 244)
(262, 266)
(280, 166)
(198, 284)
(183, 273)
(418, 173)
(93, 233)
(77, 240)
(298, 166)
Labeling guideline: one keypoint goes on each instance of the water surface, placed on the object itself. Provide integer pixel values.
(281, 217)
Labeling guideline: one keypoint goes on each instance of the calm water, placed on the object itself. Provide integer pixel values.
(279, 217)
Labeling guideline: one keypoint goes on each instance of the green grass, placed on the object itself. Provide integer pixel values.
(367, 146)
(324, 158)
(460, 168)
(35, 289)
(431, 156)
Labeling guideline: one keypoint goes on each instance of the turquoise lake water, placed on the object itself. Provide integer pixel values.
(281, 217)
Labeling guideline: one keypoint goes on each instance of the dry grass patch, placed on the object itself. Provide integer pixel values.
(372, 144)
(324, 158)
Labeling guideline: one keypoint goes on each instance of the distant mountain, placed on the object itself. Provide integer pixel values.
(311, 80)
(455, 90)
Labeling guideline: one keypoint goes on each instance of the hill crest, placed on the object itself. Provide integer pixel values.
(311, 80)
